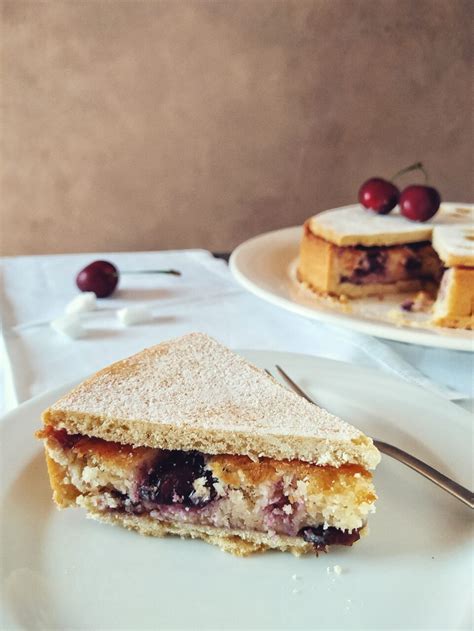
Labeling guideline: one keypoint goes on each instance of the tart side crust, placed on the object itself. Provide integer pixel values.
(454, 307)
(64, 494)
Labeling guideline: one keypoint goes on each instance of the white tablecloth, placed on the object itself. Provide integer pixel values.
(205, 298)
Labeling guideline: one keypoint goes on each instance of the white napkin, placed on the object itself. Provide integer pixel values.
(384, 355)
(205, 298)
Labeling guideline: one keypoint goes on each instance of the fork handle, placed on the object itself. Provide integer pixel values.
(465, 495)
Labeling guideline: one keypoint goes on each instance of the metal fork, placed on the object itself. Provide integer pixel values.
(460, 492)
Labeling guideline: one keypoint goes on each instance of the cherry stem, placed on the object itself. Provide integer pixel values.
(418, 166)
(173, 272)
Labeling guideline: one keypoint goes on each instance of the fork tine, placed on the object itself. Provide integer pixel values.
(294, 386)
(268, 373)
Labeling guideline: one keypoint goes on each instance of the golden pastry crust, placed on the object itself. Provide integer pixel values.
(455, 244)
(64, 493)
(193, 393)
(354, 225)
(455, 322)
(454, 306)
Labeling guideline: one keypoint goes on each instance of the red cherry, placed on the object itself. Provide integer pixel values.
(101, 277)
(419, 203)
(379, 195)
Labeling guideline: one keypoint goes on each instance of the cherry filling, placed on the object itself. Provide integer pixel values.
(171, 481)
(385, 263)
(373, 262)
(170, 485)
(67, 441)
(321, 537)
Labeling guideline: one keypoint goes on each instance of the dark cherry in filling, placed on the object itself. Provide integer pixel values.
(171, 480)
(412, 264)
(373, 262)
(407, 305)
(321, 537)
(67, 441)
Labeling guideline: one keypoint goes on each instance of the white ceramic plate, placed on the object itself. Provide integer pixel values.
(265, 265)
(62, 571)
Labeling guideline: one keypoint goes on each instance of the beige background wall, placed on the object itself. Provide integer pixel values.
(177, 123)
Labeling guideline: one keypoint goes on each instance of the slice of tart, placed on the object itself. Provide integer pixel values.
(454, 306)
(188, 438)
(354, 252)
